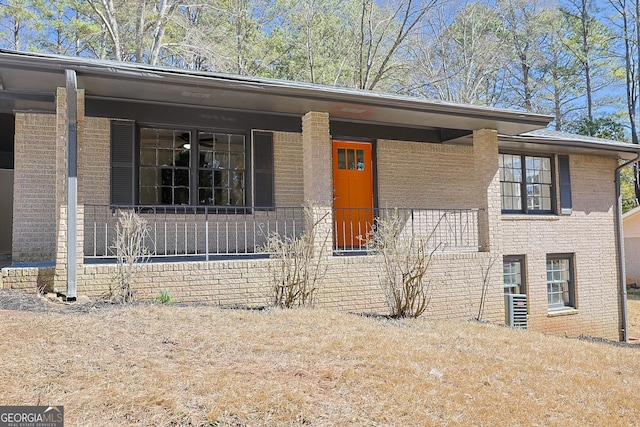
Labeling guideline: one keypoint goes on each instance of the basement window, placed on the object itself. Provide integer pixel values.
(513, 274)
(561, 292)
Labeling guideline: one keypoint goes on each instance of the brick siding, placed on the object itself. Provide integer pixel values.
(95, 154)
(34, 204)
(589, 233)
(288, 171)
(439, 175)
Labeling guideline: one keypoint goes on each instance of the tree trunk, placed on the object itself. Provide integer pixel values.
(108, 18)
(158, 32)
(140, 30)
(525, 83)
(16, 34)
(587, 59)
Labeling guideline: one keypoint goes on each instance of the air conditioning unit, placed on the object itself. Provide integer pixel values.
(515, 313)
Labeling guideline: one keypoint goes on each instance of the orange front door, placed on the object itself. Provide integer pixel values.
(353, 193)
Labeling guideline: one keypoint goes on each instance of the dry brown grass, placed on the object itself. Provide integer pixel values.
(163, 365)
(633, 306)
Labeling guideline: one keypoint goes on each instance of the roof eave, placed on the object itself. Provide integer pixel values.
(467, 116)
(620, 150)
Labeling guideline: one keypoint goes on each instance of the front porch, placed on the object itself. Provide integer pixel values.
(446, 193)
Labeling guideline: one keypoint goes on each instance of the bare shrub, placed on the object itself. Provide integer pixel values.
(129, 247)
(405, 262)
(295, 267)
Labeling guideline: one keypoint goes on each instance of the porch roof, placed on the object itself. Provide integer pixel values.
(28, 82)
(544, 140)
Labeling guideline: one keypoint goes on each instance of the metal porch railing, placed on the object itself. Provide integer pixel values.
(448, 230)
(206, 233)
(201, 232)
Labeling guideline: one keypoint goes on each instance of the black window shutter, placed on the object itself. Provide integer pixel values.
(565, 185)
(263, 169)
(122, 162)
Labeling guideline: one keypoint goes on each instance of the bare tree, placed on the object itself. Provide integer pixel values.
(197, 38)
(589, 41)
(461, 55)
(150, 17)
(628, 25)
(314, 42)
(562, 91)
(525, 30)
(106, 11)
(228, 36)
(382, 32)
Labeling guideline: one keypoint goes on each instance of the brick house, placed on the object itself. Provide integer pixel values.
(217, 162)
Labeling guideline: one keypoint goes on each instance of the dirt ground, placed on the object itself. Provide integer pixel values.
(23, 301)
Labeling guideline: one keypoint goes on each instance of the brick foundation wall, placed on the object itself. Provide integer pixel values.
(28, 279)
(589, 232)
(350, 283)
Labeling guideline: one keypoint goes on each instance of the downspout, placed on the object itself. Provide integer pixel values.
(72, 184)
(621, 260)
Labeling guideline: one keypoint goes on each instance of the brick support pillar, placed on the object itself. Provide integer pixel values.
(317, 173)
(316, 156)
(487, 187)
(60, 281)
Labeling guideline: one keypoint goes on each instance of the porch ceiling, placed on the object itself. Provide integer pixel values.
(28, 82)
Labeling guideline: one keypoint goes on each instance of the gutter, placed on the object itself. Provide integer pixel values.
(624, 328)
